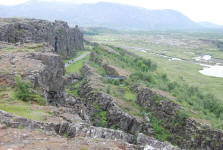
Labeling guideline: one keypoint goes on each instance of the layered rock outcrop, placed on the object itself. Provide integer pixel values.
(58, 34)
(115, 116)
(187, 132)
(44, 70)
(50, 78)
(70, 129)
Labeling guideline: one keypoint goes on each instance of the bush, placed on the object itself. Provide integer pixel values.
(172, 85)
(99, 117)
(22, 89)
(108, 90)
(23, 92)
(181, 117)
(159, 132)
(141, 76)
(39, 99)
(12, 40)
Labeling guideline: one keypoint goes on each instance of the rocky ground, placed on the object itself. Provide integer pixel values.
(92, 119)
(26, 139)
(68, 126)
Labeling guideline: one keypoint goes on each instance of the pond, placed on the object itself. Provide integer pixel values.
(214, 71)
(204, 57)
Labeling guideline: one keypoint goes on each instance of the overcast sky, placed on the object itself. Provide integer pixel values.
(197, 10)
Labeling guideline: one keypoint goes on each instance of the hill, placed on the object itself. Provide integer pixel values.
(102, 14)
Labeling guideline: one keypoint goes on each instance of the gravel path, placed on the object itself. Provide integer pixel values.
(76, 59)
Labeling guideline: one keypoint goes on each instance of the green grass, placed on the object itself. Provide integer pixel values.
(187, 72)
(76, 67)
(175, 70)
(24, 48)
(128, 95)
(10, 104)
(99, 118)
(159, 132)
(73, 89)
(196, 101)
(24, 110)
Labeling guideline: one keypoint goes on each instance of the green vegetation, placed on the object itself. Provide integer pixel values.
(9, 104)
(99, 116)
(24, 110)
(76, 67)
(24, 92)
(39, 99)
(20, 32)
(28, 47)
(159, 132)
(208, 106)
(12, 40)
(35, 47)
(184, 45)
(73, 89)
(84, 148)
(197, 103)
(123, 60)
(20, 127)
(22, 89)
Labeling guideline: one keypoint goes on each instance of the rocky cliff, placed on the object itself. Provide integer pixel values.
(187, 132)
(45, 71)
(58, 34)
(116, 118)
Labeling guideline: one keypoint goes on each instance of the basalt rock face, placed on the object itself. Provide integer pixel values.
(45, 71)
(115, 116)
(50, 78)
(187, 132)
(58, 34)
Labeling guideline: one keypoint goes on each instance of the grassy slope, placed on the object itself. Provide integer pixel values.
(76, 66)
(9, 104)
(178, 71)
(195, 101)
(175, 70)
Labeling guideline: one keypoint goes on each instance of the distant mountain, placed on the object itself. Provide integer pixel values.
(110, 15)
(210, 25)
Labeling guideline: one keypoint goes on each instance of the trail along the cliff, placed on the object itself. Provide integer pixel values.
(76, 59)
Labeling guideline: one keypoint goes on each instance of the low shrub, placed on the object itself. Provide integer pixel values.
(39, 99)
(99, 117)
(22, 89)
(159, 132)
(24, 92)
